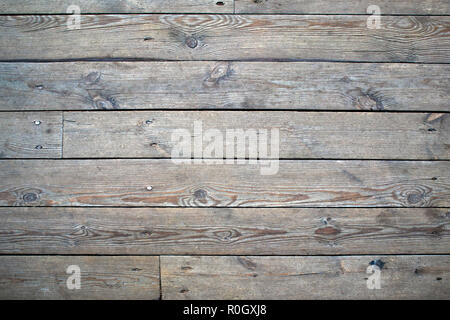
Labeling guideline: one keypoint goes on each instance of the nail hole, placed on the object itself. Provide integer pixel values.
(38, 147)
(220, 3)
(37, 122)
(149, 188)
(149, 121)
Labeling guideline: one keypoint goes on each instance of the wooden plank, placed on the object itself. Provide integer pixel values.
(436, 7)
(332, 135)
(242, 231)
(342, 277)
(226, 37)
(166, 183)
(116, 6)
(45, 277)
(30, 134)
(224, 85)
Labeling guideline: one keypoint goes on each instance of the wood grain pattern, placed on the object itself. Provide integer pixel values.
(30, 135)
(44, 277)
(243, 231)
(332, 135)
(224, 85)
(342, 6)
(226, 37)
(297, 183)
(117, 6)
(402, 277)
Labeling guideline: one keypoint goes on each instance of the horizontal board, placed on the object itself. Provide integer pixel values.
(225, 37)
(45, 277)
(224, 85)
(335, 135)
(248, 231)
(116, 6)
(30, 135)
(344, 277)
(343, 6)
(272, 184)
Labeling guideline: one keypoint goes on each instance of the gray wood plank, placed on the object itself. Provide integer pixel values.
(332, 135)
(30, 135)
(224, 85)
(226, 37)
(166, 183)
(436, 7)
(45, 277)
(342, 277)
(116, 6)
(242, 231)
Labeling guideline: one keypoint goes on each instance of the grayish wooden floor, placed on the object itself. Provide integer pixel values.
(87, 179)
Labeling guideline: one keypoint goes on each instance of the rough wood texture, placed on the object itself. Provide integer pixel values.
(402, 277)
(332, 135)
(297, 184)
(40, 277)
(342, 6)
(305, 231)
(230, 85)
(226, 37)
(30, 135)
(117, 6)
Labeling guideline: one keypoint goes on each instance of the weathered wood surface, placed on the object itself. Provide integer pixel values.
(30, 135)
(224, 85)
(226, 37)
(435, 7)
(165, 183)
(213, 277)
(116, 6)
(332, 135)
(242, 231)
(44, 277)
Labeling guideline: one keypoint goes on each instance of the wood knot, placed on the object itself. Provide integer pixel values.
(366, 100)
(227, 235)
(191, 42)
(416, 195)
(414, 198)
(220, 72)
(93, 77)
(105, 103)
(30, 197)
(200, 194)
(146, 233)
(327, 231)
